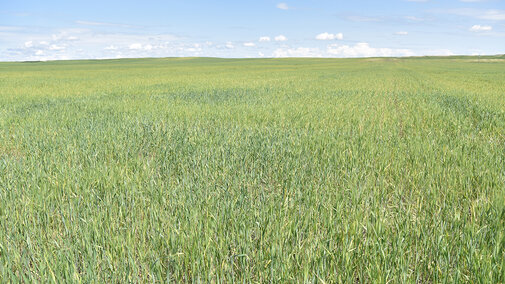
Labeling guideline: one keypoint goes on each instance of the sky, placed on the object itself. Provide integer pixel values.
(57, 29)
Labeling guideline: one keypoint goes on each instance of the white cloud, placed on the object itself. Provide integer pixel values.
(91, 23)
(229, 45)
(495, 15)
(280, 38)
(56, 47)
(249, 44)
(363, 49)
(261, 54)
(283, 6)
(358, 50)
(414, 19)
(264, 38)
(297, 52)
(135, 46)
(490, 15)
(195, 51)
(402, 33)
(479, 28)
(82, 43)
(328, 36)
(10, 28)
(68, 34)
(438, 52)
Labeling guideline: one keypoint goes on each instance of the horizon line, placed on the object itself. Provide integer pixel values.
(235, 58)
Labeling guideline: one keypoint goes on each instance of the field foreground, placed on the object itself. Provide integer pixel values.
(253, 170)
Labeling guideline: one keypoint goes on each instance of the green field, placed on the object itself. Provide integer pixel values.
(253, 170)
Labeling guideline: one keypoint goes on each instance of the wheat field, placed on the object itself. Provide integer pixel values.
(253, 170)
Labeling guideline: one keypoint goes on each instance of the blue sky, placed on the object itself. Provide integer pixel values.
(48, 30)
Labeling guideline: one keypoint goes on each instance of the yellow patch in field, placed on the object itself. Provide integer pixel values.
(488, 60)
